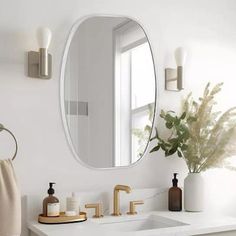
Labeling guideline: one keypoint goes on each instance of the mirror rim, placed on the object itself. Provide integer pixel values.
(65, 53)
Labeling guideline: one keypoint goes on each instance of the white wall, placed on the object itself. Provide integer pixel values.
(31, 109)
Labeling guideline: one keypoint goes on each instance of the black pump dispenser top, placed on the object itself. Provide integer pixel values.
(175, 180)
(51, 191)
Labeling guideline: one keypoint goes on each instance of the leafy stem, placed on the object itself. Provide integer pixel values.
(199, 135)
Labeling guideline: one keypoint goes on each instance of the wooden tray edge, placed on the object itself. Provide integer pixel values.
(63, 219)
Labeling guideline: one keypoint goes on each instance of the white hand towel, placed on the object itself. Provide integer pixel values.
(10, 201)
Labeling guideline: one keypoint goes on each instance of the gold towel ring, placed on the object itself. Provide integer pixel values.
(3, 128)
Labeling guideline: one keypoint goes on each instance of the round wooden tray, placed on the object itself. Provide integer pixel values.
(62, 219)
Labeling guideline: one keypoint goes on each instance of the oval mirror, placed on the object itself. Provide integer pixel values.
(108, 91)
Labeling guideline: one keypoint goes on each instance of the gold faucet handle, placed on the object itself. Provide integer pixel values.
(132, 205)
(98, 209)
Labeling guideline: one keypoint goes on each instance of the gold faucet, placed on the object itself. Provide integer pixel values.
(132, 205)
(98, 209)
(116, 200)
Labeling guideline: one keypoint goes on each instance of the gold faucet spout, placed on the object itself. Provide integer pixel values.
(125, 188)
(116, 200)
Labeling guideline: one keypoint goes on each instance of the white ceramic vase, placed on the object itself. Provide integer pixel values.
(194, 196)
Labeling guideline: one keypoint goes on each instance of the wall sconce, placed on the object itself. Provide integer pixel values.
(40, 63)
(174, 77)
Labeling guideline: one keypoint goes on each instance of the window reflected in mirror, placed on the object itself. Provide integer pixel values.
(133, 104)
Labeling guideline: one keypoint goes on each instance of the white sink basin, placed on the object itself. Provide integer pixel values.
(140, 223)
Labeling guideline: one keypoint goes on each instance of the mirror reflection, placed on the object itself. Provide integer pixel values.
(109, 91)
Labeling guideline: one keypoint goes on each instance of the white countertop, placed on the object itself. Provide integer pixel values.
(196, 223)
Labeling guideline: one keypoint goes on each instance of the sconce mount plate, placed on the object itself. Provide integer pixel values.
(174, 79)
(33, 65)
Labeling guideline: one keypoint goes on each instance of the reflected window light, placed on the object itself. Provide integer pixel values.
(134, 95)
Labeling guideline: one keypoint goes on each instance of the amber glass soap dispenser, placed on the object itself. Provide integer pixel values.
(51, 205)
(175, 196)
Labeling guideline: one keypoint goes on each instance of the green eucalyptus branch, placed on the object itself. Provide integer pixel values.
(199, 135)
(179, 134)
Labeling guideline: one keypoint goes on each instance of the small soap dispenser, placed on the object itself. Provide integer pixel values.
(51, 205)
(175, 196)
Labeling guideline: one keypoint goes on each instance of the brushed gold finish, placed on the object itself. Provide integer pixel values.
(62, 219)
(116, 198)
(98, 209)
(43, 62)
(180, 77)
(174, 79)
(132, 205)
(40, 64)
